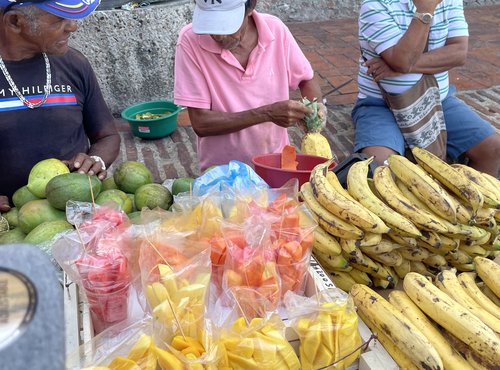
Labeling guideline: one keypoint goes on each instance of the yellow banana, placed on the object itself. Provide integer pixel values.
(414, 253)
(450, 357)
(486, 217)
(449, 177)
(398, 356)
(382, 283)
(350, 251)
(465, 268)
(393, 258)
(489, 272)
(342, 280)
(332, 263)
(402, 240)
(495, 183)
(458, 320)
(488, 293)
(328, 221)
(394, 198)
(458, 257)
(369, 239)
(371, 267)
(361, 277)
(357, 183)
(473, 359)
(453, 229)
(403, 269)
(341, 206)
(420, 268)
(448, 282)
(334, 181)
(489, 194)
(468, 283)
(423, 186)
(325, 242)
(383, 246)
(441, 251)
(473, 250)
(432, 238)
(397, 327)
(436, 261)
(448, 243)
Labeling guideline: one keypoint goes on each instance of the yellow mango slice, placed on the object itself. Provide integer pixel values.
(122, 363)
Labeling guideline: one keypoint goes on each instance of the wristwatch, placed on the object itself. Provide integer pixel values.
(425, 18)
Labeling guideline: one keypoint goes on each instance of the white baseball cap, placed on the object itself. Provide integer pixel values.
(218, 17)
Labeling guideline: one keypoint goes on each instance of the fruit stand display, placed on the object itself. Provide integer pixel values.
(224, 276)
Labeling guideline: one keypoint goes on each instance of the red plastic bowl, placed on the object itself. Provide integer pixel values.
(268, 166)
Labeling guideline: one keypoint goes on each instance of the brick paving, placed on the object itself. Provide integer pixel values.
(333, 52)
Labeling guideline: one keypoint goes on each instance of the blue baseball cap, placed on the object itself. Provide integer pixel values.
(69, 9)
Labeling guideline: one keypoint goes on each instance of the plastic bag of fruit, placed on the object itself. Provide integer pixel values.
(95, 257)
(327, 326)
(250, 261)
(175, 274)
(122, 346)
(252, 339)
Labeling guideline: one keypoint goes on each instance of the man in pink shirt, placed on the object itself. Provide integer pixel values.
(234, 68)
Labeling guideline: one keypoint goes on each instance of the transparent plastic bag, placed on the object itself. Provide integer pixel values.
(122, 346)
(327, 326)
(95, 257)
(235, 174)
(254, 343)
(175, 274)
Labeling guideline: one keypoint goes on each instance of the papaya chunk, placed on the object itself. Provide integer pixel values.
(288, 158)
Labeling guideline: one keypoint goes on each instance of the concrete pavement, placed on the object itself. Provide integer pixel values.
(332, 49)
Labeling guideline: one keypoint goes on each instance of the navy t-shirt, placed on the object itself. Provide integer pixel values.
(74, 112)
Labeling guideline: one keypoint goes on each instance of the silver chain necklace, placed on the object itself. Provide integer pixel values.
(18, 93)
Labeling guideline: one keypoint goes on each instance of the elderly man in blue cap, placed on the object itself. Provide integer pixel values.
(51, 105)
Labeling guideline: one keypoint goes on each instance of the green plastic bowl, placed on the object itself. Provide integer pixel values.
(152, 128)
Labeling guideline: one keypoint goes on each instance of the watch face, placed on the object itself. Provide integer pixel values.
(426, 18)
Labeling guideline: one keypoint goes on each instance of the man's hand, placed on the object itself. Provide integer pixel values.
(379, 69)
(84, 164)
(4, 204)
(288, 112)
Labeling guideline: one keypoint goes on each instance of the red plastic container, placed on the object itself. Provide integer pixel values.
(268, 166)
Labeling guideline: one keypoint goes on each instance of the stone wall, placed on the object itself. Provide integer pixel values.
(133, 52)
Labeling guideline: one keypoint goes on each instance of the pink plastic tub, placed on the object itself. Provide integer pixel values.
(268, 166)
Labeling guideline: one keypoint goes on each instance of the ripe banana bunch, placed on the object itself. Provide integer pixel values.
(423, 186)
(389, 321)
(328, 221)
(453, 317)
(388, 190)
(341, 206)
(448, 282)
(489, 272)
(450, 178)
(450, 357)
(359, 189)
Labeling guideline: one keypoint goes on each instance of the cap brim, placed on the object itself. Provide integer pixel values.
(218, 22)
(69, 9)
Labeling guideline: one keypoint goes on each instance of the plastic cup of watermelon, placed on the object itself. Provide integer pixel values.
(108, 306)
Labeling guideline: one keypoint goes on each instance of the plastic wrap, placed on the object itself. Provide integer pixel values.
(327, 326)
(95, 257)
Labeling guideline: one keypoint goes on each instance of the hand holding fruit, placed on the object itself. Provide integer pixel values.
(286, 113)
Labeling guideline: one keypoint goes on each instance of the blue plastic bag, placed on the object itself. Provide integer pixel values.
(235, 174)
